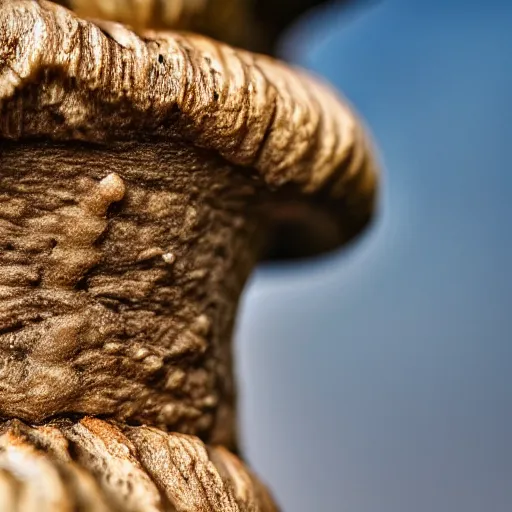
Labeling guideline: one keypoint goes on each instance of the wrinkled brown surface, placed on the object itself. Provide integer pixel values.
(119, 279)
(96, 466)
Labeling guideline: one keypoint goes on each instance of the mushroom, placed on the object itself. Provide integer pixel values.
(142, 176)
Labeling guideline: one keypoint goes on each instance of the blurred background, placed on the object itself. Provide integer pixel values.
(379, 378)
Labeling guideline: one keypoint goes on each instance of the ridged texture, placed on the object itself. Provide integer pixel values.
(95, 466)
(99, 82)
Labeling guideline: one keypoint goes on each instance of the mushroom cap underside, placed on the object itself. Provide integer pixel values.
(63, 78)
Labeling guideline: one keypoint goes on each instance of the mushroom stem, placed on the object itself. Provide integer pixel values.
(120, 277)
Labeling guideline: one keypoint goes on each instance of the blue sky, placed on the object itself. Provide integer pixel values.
(380, 378)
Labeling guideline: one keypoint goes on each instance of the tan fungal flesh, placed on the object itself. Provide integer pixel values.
(102, 82)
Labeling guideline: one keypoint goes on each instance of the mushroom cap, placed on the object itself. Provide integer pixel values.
(252, 24)
(67, 79)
